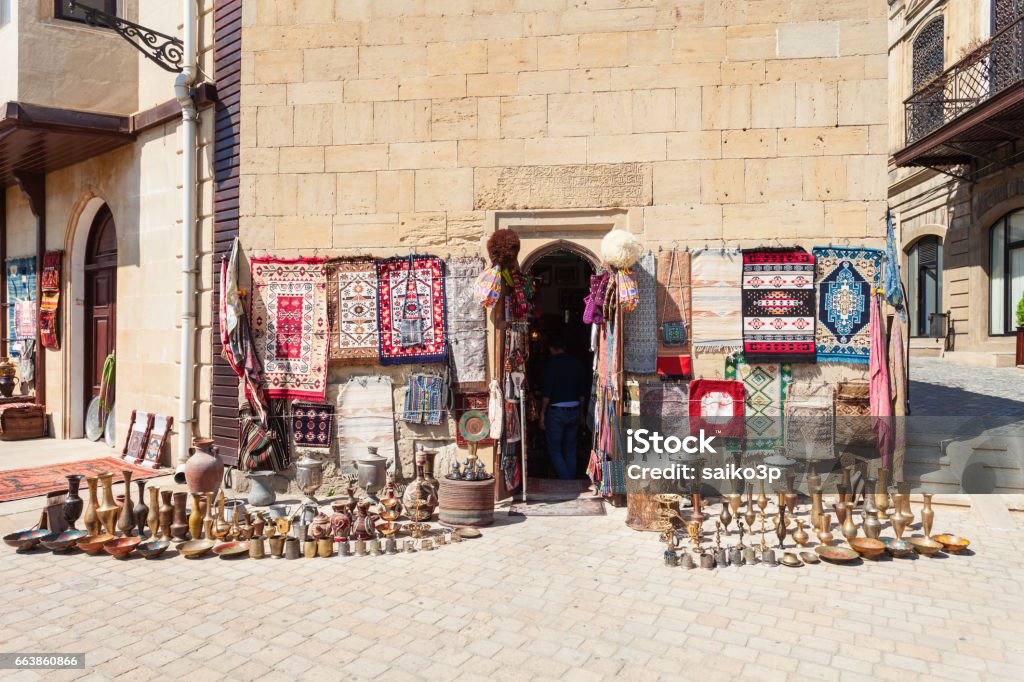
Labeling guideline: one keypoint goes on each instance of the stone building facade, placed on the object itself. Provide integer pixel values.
(955, 201)
(387, 127)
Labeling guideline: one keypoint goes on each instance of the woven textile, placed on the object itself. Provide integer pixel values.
(21, 296)
(898, 380)
(366, 417)
(289, 326)
(809, 414)
(674, 296)
(853, 414)
(260, 448)
(424, 400)
(666, 401)
(881, 398)
(765, 386)
(717, 300)
(467, 324)
(845, 278)
(640, 327)
(717, 407)
(50, 301)
(413, 319)
(311, 424)
(778, 305)
(352, 304)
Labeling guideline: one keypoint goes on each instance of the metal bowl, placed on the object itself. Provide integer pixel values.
(952, 543)
(897, 547)
(925, 546)
(468, 533)
(810, 558)
(93, 544)
(151, 549)
(836, 554)
(193, 549)
(791, 560)
(65, 541)
(868, 548)
(120, 548)
(227, 550)
(24, 540)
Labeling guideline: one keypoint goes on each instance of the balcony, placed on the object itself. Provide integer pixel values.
(972, 114)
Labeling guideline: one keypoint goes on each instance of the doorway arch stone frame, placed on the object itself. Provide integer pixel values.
(577, 230)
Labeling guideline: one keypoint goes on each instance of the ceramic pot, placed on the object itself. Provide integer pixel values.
(153, 518)
(108, 510)
(91, 518)
(927, 515)
(261, 488)
(179, 525)
(166, 514)
(126, 519)
(340, 523)
(141, 510)
(321, 527)
(7, 379)
(195, 519)
(364, 525)
(203, 471)
(73, 503)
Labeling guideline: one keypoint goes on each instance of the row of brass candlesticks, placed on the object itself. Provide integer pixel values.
(879, 505)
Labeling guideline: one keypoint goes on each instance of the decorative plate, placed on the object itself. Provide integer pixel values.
(93, 423)
(836, 554)
(474, 426)
(108, 431)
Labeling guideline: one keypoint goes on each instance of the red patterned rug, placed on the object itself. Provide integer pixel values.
(583, 506)
(19, 484)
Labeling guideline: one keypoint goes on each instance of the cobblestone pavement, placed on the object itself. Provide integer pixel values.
(942, 388)
(576, 598)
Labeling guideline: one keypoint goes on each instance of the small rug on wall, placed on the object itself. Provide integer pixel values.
(18, 484)
(584, 506)
(845, 279)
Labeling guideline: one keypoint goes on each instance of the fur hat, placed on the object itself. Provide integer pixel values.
(621, 249)
(503, 248)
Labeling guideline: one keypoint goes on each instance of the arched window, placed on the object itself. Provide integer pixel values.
(1006, 272)
(929, 52)
(925, 285)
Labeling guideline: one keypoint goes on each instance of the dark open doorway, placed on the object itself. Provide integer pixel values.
(562, 282)
(100, 299)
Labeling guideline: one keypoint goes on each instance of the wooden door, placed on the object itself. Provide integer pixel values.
(100, 300)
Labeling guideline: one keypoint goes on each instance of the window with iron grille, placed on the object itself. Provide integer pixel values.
(62, 9)
(929, 52)
(1005, 13)
(925, 280)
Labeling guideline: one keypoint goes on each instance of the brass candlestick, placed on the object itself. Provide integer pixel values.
(764, 545)
(718, 536)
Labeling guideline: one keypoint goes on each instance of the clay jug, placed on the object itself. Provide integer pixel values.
(153, 518)
(179, 526)
(204, 470)
(73, 503)
(321, 527)
(126, 520)
(195, 519)
(91, 518)
(166, 514)
(927, 515)
(108, 510)
(141, 509)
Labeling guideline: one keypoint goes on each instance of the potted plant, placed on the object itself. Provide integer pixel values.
(1020, 331)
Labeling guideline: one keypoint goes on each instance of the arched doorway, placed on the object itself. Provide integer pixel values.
(561, 275)
(100, 314)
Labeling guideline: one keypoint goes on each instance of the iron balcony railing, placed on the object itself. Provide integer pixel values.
(992, 67)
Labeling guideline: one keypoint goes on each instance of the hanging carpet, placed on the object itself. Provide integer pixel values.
(21, 297)
(640, 326)
(49, 304)
(666, 400)
(312, 424)
(413, 319)
(366, 417)
(717, 300)
(467, 324)
(778, 305)
(845, 279)
(289, 326)
(717, 407)
(352, 308)
(765, 387)
(809, 421)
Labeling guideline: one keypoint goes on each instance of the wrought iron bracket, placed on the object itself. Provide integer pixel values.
(164, 50)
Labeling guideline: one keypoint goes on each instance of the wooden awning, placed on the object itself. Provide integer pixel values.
(38, 139)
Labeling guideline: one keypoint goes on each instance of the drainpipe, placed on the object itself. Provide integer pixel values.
(189, 122)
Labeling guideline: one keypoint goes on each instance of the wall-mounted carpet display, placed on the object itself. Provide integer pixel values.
(717, 407)
(717, 300)
(640, 326)
(845, 279)
(21, 297)
(667, 400)
(413, 319)
(352, 309)
(290, 327)
(467, 323)
(765, 388)
(809, 421)
(49, 331)
(312, 424)
(778, 305)
(366, 417)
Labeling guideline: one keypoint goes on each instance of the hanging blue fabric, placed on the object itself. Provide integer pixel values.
(891, 272)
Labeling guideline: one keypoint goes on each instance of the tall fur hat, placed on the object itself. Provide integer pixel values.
(621, 249)
(503, 249)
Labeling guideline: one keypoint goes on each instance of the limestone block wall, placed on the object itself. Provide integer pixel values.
(390, 126)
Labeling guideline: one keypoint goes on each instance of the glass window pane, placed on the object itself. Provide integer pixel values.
(912, 280)
(997, 281)
(1016, 283)
(929, 298)
(1016, 221)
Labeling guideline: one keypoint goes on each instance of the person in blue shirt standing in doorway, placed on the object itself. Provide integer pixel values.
(562, 408)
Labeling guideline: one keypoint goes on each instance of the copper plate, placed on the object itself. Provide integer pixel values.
(94, 543)
(951, 543)
(867, 547)
(227, 550)
(468, 533)
(836, 554)
(925, 546)
(193, 549)
(121, 547)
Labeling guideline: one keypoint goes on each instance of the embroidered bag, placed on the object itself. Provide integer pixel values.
(673, 334)
(593, 312)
